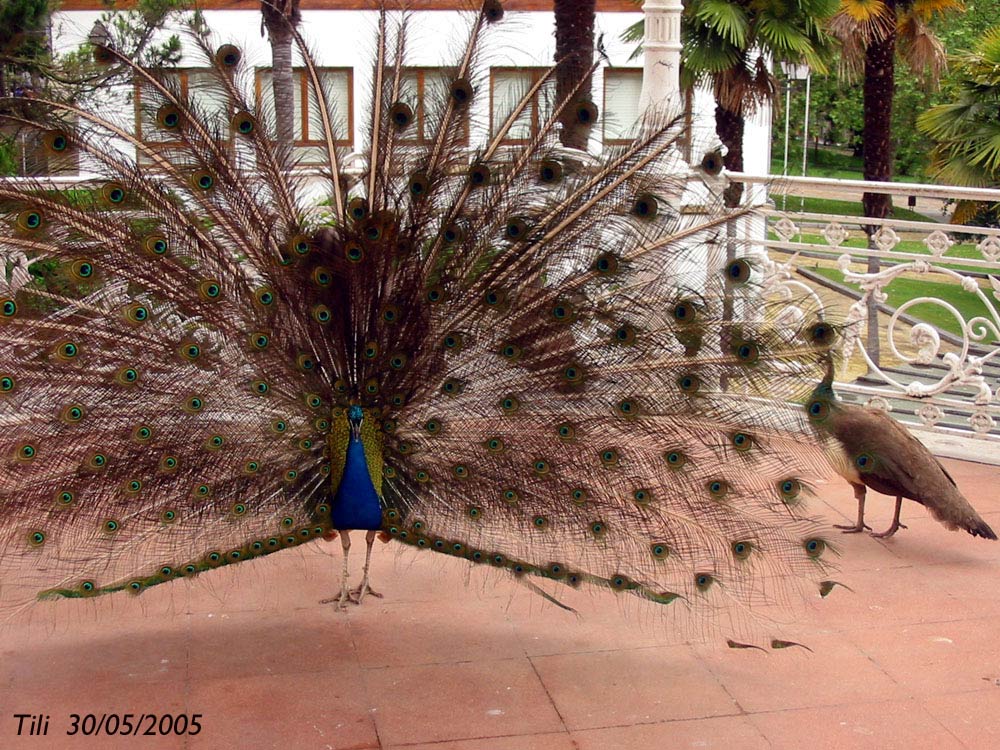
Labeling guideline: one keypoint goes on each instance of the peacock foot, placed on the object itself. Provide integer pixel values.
(358, 594)
(340, 601)
(853, 528)
(888, 532)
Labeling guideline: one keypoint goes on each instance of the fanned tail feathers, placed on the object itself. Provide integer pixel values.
(552, 381)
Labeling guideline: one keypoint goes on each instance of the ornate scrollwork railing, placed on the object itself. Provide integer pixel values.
(922, 327)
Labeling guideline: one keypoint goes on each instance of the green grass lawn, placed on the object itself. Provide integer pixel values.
(842, 208)
(904, 289)
(825, 162)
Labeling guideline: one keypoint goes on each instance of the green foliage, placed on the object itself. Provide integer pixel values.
(966, 130)
(723, 42)
(22, 40)
(22, 27)
(8, 156)
(837, 119)
(75, 75)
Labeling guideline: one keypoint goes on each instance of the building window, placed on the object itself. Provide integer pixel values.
(508, 86)
(338, 84)
(426, 90)
(622, 87)
(202, 90)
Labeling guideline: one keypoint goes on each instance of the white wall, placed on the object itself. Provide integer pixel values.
(345, 38)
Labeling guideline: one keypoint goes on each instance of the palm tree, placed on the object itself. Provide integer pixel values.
(280, 18)
(966, 131)
(871, 34)
(726, 46)
(574, 57)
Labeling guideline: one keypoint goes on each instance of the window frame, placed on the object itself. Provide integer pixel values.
(183, 75)
(683, 142)
(304, 97)
(630, 71)
(422, 138)
(537, 72)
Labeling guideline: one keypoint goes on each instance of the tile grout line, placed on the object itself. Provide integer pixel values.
(364, 682)
(548, 695)
(909, 693)
(741, 711)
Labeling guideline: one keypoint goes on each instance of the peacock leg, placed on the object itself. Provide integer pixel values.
(342, 598)
(896, 525)
(359, 593)
(859, 494)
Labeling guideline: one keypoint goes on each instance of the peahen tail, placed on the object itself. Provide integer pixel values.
(562, 374)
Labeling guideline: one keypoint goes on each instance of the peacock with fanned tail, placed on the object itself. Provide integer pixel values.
(526, 359)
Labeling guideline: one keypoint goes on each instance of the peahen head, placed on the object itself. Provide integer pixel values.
(823, 400)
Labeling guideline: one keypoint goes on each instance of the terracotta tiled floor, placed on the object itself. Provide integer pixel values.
(909, 659)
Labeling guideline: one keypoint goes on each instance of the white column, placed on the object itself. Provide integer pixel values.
(661, 53)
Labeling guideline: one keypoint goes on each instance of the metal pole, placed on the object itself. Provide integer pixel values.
(788, 108)
(805, 132)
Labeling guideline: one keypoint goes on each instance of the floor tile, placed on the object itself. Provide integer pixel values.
(722, 733)
(903, 725)
(546, 741)
(469, 700)
(612, 688)
(61, 700)
(972, 717)
(934, 659)
(834, 673)
(318, 711)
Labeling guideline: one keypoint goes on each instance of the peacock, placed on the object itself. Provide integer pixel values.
(869, 448)
(518, 355)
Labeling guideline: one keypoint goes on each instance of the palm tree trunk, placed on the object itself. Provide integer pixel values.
(574, 56)
(879, 87)
(282, 84)
(729, 127)
(279, 18)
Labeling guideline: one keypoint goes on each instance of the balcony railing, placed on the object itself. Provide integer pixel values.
(918, 298)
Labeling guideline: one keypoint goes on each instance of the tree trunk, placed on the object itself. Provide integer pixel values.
(879, 87)
(574, 56)
(282, 84)
(729, 127)
(280, 17)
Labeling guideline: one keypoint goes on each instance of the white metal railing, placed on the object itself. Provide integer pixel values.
(922, 327)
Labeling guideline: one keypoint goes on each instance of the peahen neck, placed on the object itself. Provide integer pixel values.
(356, 502)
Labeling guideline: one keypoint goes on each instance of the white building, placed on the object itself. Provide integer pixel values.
(341, 34)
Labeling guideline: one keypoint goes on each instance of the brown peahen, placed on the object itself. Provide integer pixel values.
(869, 448)
(522, 358)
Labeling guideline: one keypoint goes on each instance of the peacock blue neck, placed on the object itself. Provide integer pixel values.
(356, 503)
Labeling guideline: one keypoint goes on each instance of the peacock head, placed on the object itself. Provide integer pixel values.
(355, 415)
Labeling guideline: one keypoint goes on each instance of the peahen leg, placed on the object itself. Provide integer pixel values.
(343, 597)
(359, 593)
(859, 493)
(896, 525)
